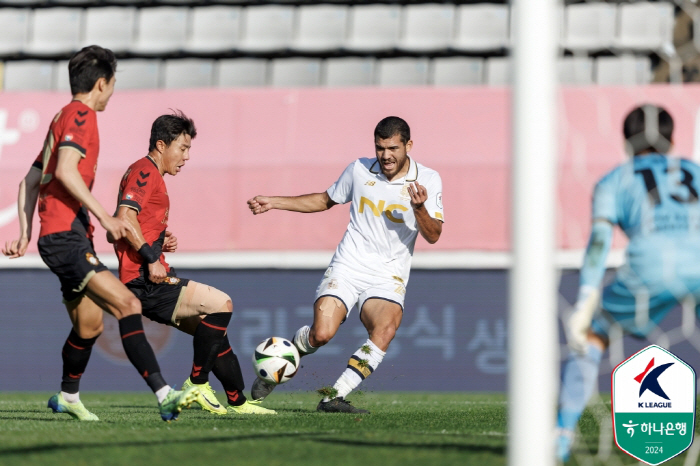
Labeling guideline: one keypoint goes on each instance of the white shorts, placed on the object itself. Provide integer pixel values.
(353, 288)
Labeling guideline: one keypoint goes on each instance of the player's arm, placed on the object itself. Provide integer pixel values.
(592, 274)
(26, 203)
(69, 176)
(430, 228)
(135, 238)
(317, 202)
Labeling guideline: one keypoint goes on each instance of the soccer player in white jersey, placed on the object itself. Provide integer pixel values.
(393, 199)
(653, 198)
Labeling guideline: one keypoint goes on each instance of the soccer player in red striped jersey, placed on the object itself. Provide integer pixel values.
(197, 309)
(61, 178)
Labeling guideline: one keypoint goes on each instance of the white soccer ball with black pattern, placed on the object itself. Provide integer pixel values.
(276, 360)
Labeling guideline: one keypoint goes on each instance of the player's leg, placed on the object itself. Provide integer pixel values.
(110, 294)
(580, 372)
(381, 317)
(205, 313)
(86, 317)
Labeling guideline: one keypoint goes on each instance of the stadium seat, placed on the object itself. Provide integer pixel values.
(576, 71)
(161, 30)
(499, 71)
(296, 72)
(111, 27)
(138, 74)
(590, 26)
(458, 71)
(55, 31)
(626, 70)
(15, 30)
(373, 27)
(481, 27)
(241, 72)
(346, 72)
(427, 27)
(646, 26)
(402, 72)
(214, 29)
(61, 81)
(268, 28)
(320, 27)
(29, 75)
(188, 73)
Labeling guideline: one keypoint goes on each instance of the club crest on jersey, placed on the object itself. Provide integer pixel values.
(91, 258)
(333, 284)
(404, 193)
(171, 280)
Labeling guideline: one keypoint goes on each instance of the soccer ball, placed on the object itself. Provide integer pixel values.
(276, 360)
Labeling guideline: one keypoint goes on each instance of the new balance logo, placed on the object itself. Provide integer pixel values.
(370, 183)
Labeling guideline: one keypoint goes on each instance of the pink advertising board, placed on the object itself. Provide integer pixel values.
(290, 142)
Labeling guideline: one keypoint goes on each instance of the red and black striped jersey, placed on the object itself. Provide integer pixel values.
(74, 127)
(143, 189)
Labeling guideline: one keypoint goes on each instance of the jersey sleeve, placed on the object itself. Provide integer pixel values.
(604, 199)
(77, 130)
(137, 187)
(434, 202)
(39, 161)
(341, 191)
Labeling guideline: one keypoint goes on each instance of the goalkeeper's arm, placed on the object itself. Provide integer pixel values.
(591, 277)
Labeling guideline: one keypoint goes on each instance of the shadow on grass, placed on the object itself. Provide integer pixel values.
(421, 446)
(312, 436)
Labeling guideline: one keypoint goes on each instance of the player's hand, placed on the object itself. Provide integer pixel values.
(418, 194)
(260, 204)
(16, 248)
(156, 272)
(115, 227)
(170, 243)
(580, 321)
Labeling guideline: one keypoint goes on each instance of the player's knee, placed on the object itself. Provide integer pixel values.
(320, 337)
(384, 334)
(131, 306)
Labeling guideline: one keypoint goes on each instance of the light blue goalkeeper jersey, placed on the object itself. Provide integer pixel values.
(654, 199)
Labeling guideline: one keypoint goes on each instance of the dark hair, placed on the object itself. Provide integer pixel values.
(167, 128)
(391, 126)
(88, 65)
(648, 128)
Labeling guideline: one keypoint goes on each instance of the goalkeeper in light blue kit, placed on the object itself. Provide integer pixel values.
(654, 199)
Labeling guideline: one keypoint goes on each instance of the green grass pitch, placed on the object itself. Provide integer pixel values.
(403, 429)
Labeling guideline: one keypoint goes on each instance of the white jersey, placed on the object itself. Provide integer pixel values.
(382, 231)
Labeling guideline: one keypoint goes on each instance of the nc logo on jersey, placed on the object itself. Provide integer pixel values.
(653, 405)
(379, 209)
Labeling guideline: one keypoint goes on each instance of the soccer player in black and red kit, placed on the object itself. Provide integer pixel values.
(194, 308)
(61, 178)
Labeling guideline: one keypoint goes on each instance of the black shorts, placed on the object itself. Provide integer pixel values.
(159, 301)
(71, 257)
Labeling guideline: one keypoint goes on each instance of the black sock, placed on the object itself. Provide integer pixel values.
(139, 351)
(76, 354)
(228, 371)
(206, 342)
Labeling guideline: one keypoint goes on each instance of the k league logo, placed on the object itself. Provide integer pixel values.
(653, 405)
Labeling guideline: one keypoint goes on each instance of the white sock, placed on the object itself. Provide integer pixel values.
(361, 364)
(301, 341)
(71, 397)
(161, 393)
